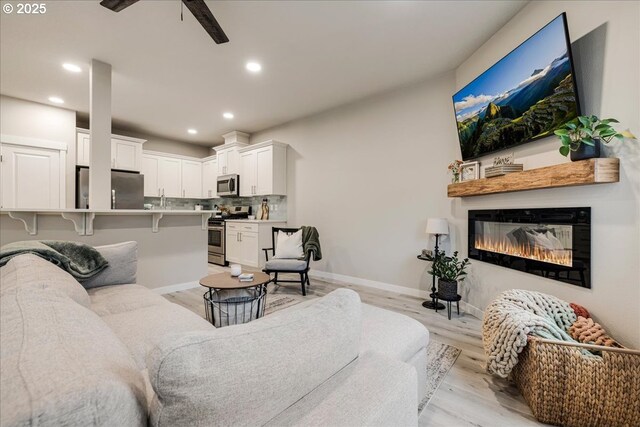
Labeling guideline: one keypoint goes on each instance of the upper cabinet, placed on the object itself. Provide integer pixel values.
(209, 178)
(228, 154)
(229, 159)
(263, 169)
(192, 179)
(126, 152)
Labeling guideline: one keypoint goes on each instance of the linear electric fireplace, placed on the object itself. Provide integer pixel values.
(553, 243)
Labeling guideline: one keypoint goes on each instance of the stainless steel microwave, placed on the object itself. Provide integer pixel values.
(228, 185)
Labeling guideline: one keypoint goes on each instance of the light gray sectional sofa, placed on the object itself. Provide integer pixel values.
(114, 353)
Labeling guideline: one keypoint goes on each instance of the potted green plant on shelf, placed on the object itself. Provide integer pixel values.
(449, 270)
(580, 138)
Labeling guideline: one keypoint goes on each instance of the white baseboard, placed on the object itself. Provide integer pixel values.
(350, 280)
(472, 310)
(175, 288)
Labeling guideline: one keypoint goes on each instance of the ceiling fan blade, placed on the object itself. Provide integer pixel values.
(202, 13)
(117, 5)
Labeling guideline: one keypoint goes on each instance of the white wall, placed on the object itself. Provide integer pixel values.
(33, 120)
(176, 254)
(606, 39)
(368, 175)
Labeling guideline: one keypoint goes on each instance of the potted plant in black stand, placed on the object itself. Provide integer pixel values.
(581, 137)
(449, 270)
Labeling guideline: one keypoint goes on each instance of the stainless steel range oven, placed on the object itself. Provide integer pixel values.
(215, 242)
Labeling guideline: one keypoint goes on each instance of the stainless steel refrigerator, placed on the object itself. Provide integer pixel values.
(127, 189)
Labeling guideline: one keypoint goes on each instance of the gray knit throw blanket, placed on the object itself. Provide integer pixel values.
(514, 315)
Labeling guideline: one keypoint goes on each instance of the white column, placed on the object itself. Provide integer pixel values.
(100, 132)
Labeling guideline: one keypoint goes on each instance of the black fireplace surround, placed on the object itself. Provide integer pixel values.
(554, 243)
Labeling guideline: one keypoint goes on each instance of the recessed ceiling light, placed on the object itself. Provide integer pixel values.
(228, 115)
(71, 67)
(56, 100)
(254, 67)
(192, 131)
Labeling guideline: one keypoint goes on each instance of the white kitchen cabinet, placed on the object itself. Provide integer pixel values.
(228, 156)
(126, 152)
(209, 179)
(246, 239)
(82, 150)
(32, 177)
(248, 175)
(149, 168)
(191, 179)
(233, 249)
(263, 169)
(170, 176)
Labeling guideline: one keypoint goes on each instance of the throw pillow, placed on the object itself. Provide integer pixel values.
(289, 246)
(589, 332)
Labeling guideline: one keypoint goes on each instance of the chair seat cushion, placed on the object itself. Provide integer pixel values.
(286, 264)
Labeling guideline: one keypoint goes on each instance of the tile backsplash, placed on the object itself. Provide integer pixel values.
(277, 204)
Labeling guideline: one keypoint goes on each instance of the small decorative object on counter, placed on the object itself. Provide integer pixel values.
(580, 138)
(469, 171)
(264, 210)
(454, 168)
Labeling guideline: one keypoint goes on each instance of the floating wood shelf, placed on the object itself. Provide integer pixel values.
(583, 172)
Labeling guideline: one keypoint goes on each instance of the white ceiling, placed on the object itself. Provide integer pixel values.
(169, 75)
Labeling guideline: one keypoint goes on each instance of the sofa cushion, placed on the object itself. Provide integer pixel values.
(116, 299)
(143, 328)
(122, 268)
(286, 264)
(269, 364)
(372, 390)
(29, 271)
(61, 365)
(391, 334)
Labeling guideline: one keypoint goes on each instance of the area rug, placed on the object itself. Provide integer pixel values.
(440, 356)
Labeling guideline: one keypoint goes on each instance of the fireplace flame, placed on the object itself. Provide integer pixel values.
(504, 246)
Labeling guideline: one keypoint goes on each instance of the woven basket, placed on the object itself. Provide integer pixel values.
(564, 387)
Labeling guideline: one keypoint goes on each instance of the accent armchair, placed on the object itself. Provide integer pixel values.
(283, 265)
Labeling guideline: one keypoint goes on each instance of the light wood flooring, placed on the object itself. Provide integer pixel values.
(468, 396)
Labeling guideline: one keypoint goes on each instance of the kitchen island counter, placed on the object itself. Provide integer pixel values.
(83, 218)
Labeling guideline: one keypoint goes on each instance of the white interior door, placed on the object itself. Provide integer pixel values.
(31, 178)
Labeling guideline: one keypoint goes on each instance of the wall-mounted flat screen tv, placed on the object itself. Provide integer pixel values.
(523, 97)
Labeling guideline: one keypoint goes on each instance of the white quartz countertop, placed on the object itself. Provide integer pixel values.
(110, 211)
(257, 221)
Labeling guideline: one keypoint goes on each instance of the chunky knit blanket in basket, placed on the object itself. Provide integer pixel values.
(514, 315)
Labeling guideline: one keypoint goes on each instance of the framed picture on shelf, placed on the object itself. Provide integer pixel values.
(469, 171)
